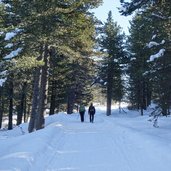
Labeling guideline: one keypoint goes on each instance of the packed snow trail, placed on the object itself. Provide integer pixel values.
(105, 145)
(120, 142)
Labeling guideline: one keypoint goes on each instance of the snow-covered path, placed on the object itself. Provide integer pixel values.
(109, 144)
(105, 145)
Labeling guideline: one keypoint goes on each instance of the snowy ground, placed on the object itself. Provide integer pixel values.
(121, 142)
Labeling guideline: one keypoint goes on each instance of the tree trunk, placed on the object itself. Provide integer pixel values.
(53, 98)
(141, 100)
(21, 106)
(11, 92)
(25, 109)
(42, 105)
(144, 96)
(52, 54)
(109, 91)
(35, 99)
(109, 102)
(1, 106)
(109, 98)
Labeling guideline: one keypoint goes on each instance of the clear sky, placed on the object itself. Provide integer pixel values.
(112, 5)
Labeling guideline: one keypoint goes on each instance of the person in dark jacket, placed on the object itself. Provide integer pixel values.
(91, 112)
(82, 112)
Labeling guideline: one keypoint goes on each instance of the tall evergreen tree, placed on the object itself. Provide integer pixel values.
(154, 19)
(160, 59)
(139, 84)
(111, 43)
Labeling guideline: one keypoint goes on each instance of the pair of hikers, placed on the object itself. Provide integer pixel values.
(91, 112)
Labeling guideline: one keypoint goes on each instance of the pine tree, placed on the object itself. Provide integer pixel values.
(1, 48)
(139, 84)
(159, 59)
(111, 43)
(155, 23)
(134, 5)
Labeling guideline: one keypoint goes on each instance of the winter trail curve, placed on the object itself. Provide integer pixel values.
(105, 145)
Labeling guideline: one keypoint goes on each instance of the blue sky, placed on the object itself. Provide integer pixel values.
(102, 13)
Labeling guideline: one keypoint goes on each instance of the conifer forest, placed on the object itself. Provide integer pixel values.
(56, 54)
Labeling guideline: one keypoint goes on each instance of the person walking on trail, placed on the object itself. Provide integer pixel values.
(91, 112)
(82, 112)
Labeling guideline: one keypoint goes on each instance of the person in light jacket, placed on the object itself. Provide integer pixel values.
(82, 112)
